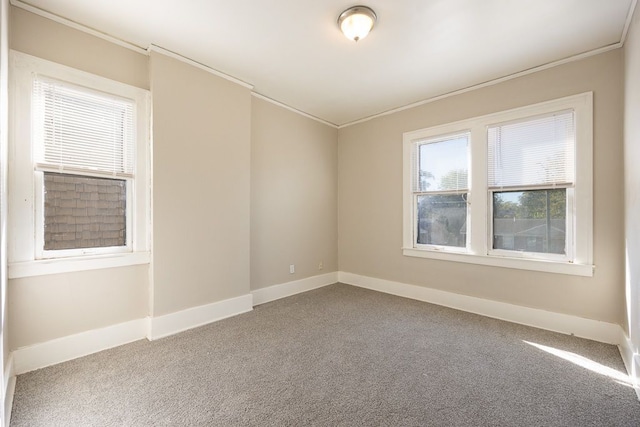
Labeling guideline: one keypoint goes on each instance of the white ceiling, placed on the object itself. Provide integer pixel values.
(293, 52)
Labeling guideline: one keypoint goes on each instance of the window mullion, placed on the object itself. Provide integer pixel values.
(570, 241)
(478, 216)
(583, 193)
(39, 213)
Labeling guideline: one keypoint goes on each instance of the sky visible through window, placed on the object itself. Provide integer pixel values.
(444, 164)
(511, 196)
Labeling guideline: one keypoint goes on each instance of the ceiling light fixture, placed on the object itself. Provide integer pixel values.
(356, 22)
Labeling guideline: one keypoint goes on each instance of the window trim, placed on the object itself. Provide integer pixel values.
(478, 228)
(415, 163)
(26, 202)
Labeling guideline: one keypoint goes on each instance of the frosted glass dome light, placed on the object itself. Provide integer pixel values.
(356, 22)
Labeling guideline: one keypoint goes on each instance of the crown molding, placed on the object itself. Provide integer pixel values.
(295, 110)
(487, 83)
(627, 23)
(154, 48)
(76, 26)
(196, 64)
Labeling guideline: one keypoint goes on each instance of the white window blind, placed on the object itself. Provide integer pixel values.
(533, 152)
(442, 164)
(83, 131)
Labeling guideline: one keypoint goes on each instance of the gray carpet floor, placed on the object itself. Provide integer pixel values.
(338, 356)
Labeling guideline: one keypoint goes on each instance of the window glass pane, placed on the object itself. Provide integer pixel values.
(443, 165)
(530, 221)
(442, 220)
(83, 212)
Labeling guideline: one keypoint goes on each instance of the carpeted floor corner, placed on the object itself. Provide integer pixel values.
(339, 356)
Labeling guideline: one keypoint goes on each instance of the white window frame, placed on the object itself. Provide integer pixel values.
(415, 194)
(579, 257)
(26, 254)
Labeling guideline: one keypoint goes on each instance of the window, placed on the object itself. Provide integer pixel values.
(511, 189)
(440, 191)
(84, 155)
(531, 180)
(80, 185)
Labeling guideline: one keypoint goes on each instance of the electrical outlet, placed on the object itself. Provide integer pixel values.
(320, 266)
(292, 269)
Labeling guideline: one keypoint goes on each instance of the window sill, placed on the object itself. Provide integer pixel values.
(45, 267)
(585, 270)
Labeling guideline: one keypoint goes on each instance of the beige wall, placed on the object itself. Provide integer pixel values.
(370, 195)
(55, 42)
(47, 307)
(201, 195)
(632, 181)
(293, 195)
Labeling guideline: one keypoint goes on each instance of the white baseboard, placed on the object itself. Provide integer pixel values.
(73, 346)
(173, 323)
(626, 351)
(66, 348)
(631, 360)
(60, 350)
(585, 328)
(9, 389)
(272, 293)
